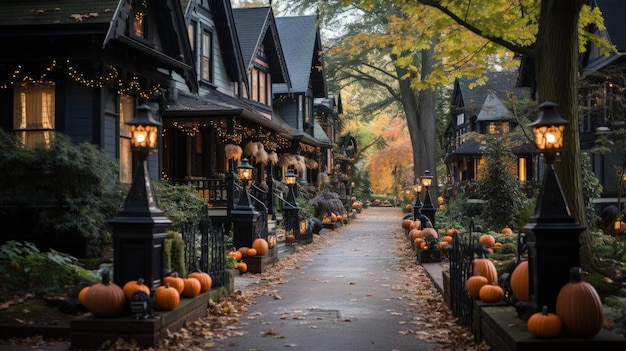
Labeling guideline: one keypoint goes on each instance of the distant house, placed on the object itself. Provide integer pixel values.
(480, 110)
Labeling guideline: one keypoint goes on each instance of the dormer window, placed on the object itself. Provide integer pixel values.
(138, 24)
(139, 17)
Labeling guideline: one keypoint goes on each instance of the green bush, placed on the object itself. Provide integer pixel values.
(59, 190)
(174, 253)
(180, 203)
(24, 267)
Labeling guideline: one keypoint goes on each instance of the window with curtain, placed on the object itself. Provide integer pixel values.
(127, 112)
(33, 113)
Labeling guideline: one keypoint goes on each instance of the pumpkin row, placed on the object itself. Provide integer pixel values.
(578, 312)
(107, 299)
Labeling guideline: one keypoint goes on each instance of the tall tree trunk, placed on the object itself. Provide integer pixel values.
(557, 81)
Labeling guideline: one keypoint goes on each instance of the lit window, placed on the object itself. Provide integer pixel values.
(33, 113)
(521, 169)
(191, 31)
(206, 56)
(127, 112)
(139, 24)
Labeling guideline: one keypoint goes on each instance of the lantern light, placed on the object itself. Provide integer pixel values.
(417, 188)
(290, 177)
(427, 179)
(244, 170)
(548, 128)
(144, 128)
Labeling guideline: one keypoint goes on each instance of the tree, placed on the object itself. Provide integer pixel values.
(554, 46)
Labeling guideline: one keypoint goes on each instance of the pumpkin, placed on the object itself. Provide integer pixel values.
(418, 242)
(452, 231)
(290, 238)
(444, 245)
(545, 325)
(579, 307)
(166, 297)
(357, 205)
(191, 287)
(333, 217)
(244, 251)
(204, 278)
(507, 231)
(236, 254)
(251, 253)
(519, 282)
(81, 295)
(486, 268)
(491, 293)
(487, 239)
(261, 246)
(133, 286)
(424, 245)
(414, 234)
(473, 285)
(447, 239)
(242, 267)
(175, 282)
(406, 223)
(416, 224)
(105, 299)
(429, 231)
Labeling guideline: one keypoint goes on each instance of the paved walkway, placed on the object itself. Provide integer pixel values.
(351, 294)
(347, 296)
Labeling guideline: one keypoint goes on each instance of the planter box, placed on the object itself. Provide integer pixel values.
(428, 256)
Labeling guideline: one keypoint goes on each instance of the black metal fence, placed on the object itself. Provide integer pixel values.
(205, 248)
(461, 268)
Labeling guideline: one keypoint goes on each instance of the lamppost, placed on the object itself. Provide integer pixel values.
(292, 211)
(428, 209)
(244, 215)
(552, 233)
(139, 229)
(417, 188)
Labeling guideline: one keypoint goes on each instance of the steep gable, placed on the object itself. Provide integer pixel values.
(300, 38)
(256, 27)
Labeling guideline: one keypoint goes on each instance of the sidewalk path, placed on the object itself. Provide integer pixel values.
(350, 295)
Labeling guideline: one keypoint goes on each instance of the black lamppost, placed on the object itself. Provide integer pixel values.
(243, 215)
(139, 229)
(428, 209)
(417, 188)
(552, 233)
(292, 211)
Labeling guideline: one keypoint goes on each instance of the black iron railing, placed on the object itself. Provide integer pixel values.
(461, 261)
(204, 247)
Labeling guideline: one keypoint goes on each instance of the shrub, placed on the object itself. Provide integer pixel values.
(174, 252)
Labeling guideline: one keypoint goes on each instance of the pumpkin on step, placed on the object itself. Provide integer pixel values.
(204, 278)
(545, 325)
(261, 246)
(191, 287)
(166, 297)
(133, 286)
(105, 299)
(579, 307)
(491, 293)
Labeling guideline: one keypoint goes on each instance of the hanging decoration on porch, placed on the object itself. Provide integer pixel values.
(273, 157)
(233, 151)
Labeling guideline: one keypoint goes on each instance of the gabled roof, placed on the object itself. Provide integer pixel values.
(256, 26)
(493, 110)
(615, 32)
(501, 84)
(300, 38)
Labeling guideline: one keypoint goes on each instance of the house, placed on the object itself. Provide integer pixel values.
(479, 110)
(602, 113)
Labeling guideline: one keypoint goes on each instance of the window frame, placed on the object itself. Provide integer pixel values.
(25, 105)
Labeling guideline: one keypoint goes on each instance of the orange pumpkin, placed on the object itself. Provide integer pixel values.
(105, 299)
(519, 282)
(418, 242)
(261, 246)
(447, 239)
(166, 297)
(488, 240)
(133, 286)
(507, 231)
(473, 285)
(545, 325)
(205, 280)
(242, 267)
(444, 245)
(244, 251)
(452, 231)
(290, 238)
(491, 293)
(406, 223)
(579, 307)
(191, 287)
(236, 254)
(252, 252)
(81, 295)
(429, 231)
(486, 268)
(416, 224)
(175, 282)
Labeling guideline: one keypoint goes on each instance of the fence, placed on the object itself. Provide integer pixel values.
(461, 261)
(205, 247)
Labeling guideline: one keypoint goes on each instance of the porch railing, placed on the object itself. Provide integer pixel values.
(461, 261)
(214, 190)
